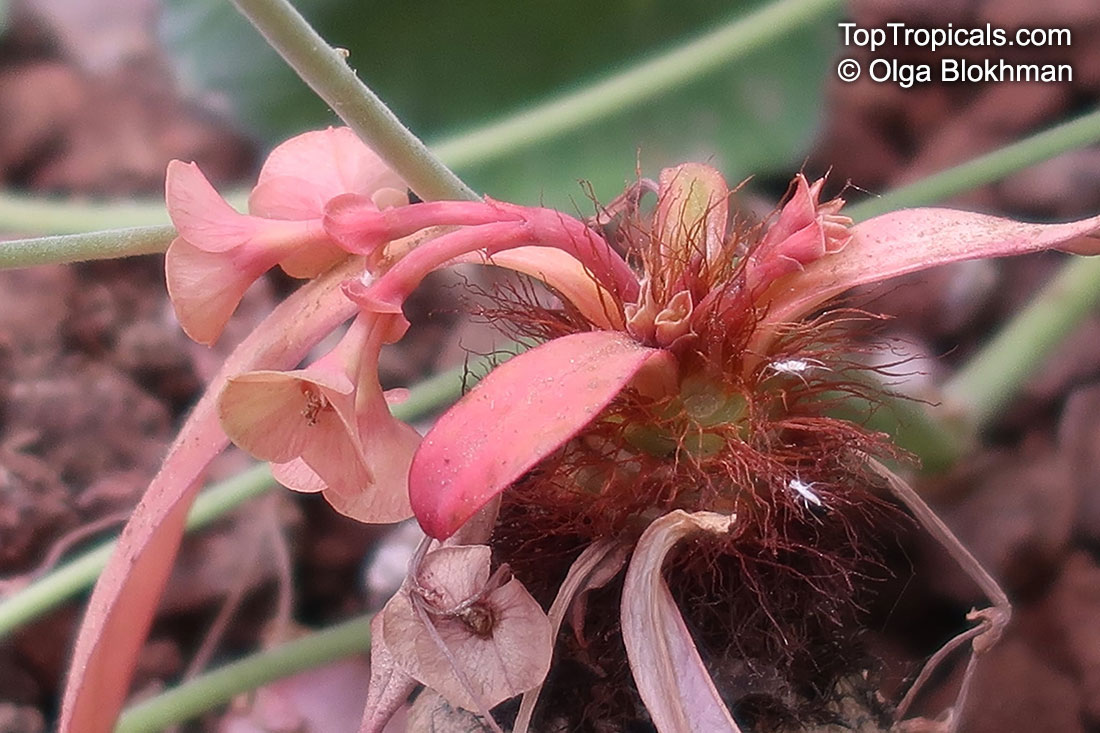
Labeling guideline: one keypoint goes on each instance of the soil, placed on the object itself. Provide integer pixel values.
(95, 375)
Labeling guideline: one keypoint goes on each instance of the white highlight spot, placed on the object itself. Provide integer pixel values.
(805, 490)
(795, 367)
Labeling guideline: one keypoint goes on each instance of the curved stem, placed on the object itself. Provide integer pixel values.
(326, 71)
(103, 245)
(121, 608)
(994, 376)
(634, 86)
(219, 686)
(1078, 133)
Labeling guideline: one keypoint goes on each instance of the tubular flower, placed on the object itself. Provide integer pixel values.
(219, 252)
(328, 428)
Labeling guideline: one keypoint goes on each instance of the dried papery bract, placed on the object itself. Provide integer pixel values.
(474, 638)
(390, 685)
(673, 682)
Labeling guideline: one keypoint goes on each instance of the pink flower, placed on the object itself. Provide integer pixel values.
(219, 252)
(328, 428)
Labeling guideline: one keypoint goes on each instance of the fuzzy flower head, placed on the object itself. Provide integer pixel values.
(695, 349)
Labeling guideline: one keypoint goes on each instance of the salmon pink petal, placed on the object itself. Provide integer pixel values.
(325, 432)
(308, 262)
(387, 448)
(274, 415)
(323, 164)
(296, 475)
(200, 214)
(286, 197)
(522, 412)
(915, 239)
(568, 277)
(206, 287)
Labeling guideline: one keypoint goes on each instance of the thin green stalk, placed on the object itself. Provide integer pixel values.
(634, 86)
(327, 73)
(993, 377)
(1078, 133)
(77, 575)
(221, 685)
(22, 213)
(102, 245)
(29, 214)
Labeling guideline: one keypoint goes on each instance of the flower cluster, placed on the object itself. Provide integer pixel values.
(680, 388)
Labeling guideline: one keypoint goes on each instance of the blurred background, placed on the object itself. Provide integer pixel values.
(97, 96)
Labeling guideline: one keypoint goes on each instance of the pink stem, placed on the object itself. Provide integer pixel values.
(123, 603)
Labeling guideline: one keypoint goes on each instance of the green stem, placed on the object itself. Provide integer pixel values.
(993, 377)
(327, 73)
(76, 575)
(103, 245)
(221, 685)
(1078, 133)
(634, 86)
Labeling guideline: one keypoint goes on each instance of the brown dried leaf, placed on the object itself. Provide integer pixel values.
(673, 682)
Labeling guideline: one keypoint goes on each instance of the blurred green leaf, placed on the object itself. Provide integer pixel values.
(445, 67)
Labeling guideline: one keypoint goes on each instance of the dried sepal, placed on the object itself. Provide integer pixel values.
(454, 629)
(673, 682)
(389, 687)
